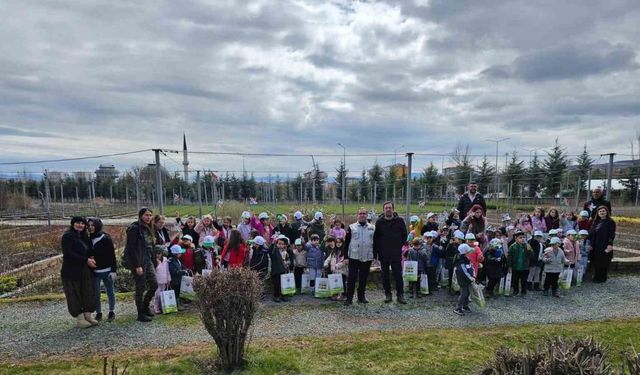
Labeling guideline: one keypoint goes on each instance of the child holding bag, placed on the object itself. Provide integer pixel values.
(163, 277)
(176, 270)
(554, 261)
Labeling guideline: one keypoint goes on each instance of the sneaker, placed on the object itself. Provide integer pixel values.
(459, 312)
(143, 318)
(556, 295)
(98, 316)
(277, 299)
(401, 300)
(147, 311)
(112, 316)
(362, 300)
(467, 310)
(388, 298)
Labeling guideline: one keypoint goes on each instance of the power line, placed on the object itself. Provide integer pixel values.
(74, 159)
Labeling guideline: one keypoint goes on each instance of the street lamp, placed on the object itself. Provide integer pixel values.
(344, 177)
(497, 141)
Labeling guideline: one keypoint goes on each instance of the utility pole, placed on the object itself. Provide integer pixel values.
(159, 182)
(62, 197)
(344, 178)
(93, 189)
(409, 161)
(47, 196)
(497, 141)
(199, 193)
(609, 174)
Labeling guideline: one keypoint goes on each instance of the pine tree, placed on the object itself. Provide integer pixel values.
(584, 164)
(430, 179)
(363, 186)
(340, 172)
(486, 175)
(515, 173)
(464, 169)
(555, 167)
(376, 176)
(534, 176)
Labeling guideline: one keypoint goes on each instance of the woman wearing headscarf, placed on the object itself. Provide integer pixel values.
(601, 236)
(77, 278)
(104, 254)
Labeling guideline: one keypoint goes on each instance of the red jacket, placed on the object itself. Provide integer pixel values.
(236, 258)
(476, 258)
(187, 259)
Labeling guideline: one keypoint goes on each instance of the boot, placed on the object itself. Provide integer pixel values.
(112, 316)
(555, 294)
(348, 302)
(529, 286)
(81, 322)
(147, 311)
(89, 318)
(98, 317)
(536, 287)
(401, 300)
(388, 298)
(143, 318)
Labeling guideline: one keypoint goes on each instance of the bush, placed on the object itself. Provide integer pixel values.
(228, 301)
(632, 363)
(554, 356)
(8, 284)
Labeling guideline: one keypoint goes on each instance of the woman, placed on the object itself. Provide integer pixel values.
(476, 223)
(162, 234)
(77, 278)
(205, 227)
(234, 251)
(139, 257)
(189, 229)
(104, 254)
(552, 220)
(601, 236)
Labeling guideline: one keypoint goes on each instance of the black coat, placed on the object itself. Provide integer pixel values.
(135, 250)
(602, 235)
(465, 203)
(494, 264)
(104, 253)
(288, 231)
(388, 238)
(534, 259)
(75, 252)
(591, 206)
(428, 227)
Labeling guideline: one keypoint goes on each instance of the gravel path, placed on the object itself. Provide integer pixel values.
(39, 329)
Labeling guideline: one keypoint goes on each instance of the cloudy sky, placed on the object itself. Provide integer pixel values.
(84, 78)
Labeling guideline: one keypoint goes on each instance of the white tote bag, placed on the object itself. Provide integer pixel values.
(424, 284)
(565, 278)
(287, 284)
(322, 287)
(336, 286)
(507, 284)
(305, 283)
(410, 270)
(186, 288)
(168, 301)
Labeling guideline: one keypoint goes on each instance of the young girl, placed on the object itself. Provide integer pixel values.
(475, 256)
(278, 266)
(245, 225)
(583, 241)
(417, 254)
(337, 263)
(176, 270)
(206, 227)
(163, 277)
(571, 251)
(552, 220)
(259, 257)
(205, 257)
(475, 223)
(433, 253)
(186, 243)
(554, 260)
(535, 261)
(537, 220)
(584, 222)
(569, 221)
(494, 265)
(299, 263)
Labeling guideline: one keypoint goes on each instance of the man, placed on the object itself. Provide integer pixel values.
(389, 236)
(597, 199)
(359, 242)
(469, 198)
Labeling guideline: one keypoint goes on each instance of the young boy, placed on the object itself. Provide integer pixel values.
(535, 262)
(315, 259)
(259, 257)
(554, 260)
(451, 255)
(465, 276)
(177, 270)
(583, 242)
(205, 257)
(278, 266)
(475, 256)
(299, 263)
(494, 265)
(433, 253)
(186, 242)
(584, 222)
(519, 256)
(418, 254)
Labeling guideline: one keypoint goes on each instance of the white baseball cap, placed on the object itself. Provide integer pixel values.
(428, 234)
(469, 236)
(571, 232)
(554, 241)
(584, 232)
(537, 233)
(414, 219)
(297, 215)
(430, 215)
(318, 216)
(176, 249)
(464, 248)
(459, 234)
(187, 237)
(259, 240)
(263, 215)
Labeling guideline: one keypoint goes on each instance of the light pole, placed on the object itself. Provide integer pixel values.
(497, 141)
(344, 176)
(393, 169)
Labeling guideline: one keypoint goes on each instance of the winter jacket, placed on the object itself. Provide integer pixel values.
(567, 224)
(465, 273)
(334, 263)
(554, 260)
(296, 228)
(494, 263)
(428, 227)
(163, 238)
(519, 256)
(187, 259)
(591, 205)
(236, 257)
(192, 233)
(139, 246)
(584, 252)
(552, 222)
(602, 235)
(338, 232)
(538, 224)
(263, 230)
(584, 224)
(450, 255)
(476, 257)
(315, 257)
(245, 230)
(163, 276)
(104, 253)
(204, 259)
(278, 266)
(419, 256)
(287, 231)
(176, 270)
(535, 259)
(571, 251)
(465, 203)
(300, 258)
(359, 241)
(203, 232)
(260, 260)
(316, 227)
(75, 253)
(388, 238)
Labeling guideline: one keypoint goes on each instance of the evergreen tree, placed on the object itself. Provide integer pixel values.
(340, 173)
(555, 167)
(464, 169)
(514, 175)
(430, 180)
(376, 176)
(584, 164)
(363, 186)
(389, 181)
(534, 176)
(486, 175)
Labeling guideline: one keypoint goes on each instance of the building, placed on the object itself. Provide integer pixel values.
(55, 176)
(83, 176)
(107, 171)
(321, 175)
(400, 170)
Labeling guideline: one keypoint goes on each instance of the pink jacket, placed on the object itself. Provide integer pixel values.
(338, 232)
(262, 231)
(571, 251)
(204, 231)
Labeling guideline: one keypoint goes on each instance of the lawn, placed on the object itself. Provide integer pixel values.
(438, 351)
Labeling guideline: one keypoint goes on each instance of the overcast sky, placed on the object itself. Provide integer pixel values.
(83, 78)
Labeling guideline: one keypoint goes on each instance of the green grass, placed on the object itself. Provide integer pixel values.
(123, 296)
(435, 351)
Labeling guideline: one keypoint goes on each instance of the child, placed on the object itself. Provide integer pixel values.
(431, 223)
(493, 265)
(568, 222)
(337, 263)
(537, 220)
(584, 222)
(315, 259)
(475, 256)
(245, 225)
(433, 253)
(465, 276)
(418, 254)
(176, 270)
(205, 258)
(415, 224)
(535, 262)
(259, 257)
(299, 263)
(163, 277)
(278, 266)
(554, 260)
(571, 250)
(451, 255)
(584, 249)
(337, 229)
(519, 256)
(186, 242)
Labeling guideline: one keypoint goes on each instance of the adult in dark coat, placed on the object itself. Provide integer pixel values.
(470, 198)
(388, 238)
(76, 274)
(138, 254)
(597, 200)
(601, 236)
(104, 253)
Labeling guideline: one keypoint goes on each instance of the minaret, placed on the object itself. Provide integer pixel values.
(185, 161)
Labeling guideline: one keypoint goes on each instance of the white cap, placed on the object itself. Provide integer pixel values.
(187, 237)
(429, 215)
(176, 249)
(298, 242)
(464, 248)
(246, 215)
(496, 242)
(469, 236)
(584, 232)
(458, 234)
(537, 233)
(207, 239)
(283, 216)
(318, 216)
(283, 237)
(506, 217)
(428, 234)
(259, 240)
(510, 227)
(297, 215)
(263, 215)
(571, 232)
(414, 219)
(554, 241)
(553, 232)
(584, 213)
(559, 230)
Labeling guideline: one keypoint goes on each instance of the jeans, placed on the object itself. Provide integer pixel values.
(534, 274)
(463, 300)
(357, 271)
(396, 269)
(105, 278)
(146, 285)
(313, 273)
(275, 283)
(297, 275)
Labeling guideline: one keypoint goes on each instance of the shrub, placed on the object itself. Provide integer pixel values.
(554, 356)
(632, 363)
(228, 301)
(8, 284)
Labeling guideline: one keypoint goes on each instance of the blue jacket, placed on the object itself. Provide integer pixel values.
(464, 272)
(315, 257)
(176, 270)
(420, 257)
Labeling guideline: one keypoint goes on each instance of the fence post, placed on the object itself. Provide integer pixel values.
(159, 183)
(409, 160)
(62, 197)
(47, 196)
(199, 194)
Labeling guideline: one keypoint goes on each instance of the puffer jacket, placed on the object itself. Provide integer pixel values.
(571, 251)
(315, 257)
(388, 238)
